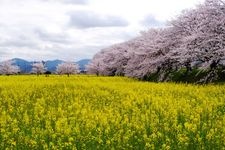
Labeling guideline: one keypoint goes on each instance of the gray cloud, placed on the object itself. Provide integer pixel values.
(39, 30)
(81, 2)
(3, 52)
(18, 41)
(77, 53)
(17, 44)
(151, 21)
(76, 1)
(88, 19)
(52, 37)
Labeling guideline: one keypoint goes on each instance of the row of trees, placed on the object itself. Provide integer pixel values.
(7, 68)
(195, 40)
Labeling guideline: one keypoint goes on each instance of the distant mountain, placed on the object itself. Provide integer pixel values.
(52, 64)
(82, 63)
(26, 66)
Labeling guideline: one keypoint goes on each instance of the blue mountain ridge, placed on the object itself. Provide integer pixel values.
(26, 66)
(82, 63)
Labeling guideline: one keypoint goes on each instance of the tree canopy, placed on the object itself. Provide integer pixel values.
(195, 40)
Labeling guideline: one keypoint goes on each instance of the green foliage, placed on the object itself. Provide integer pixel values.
(182, 75)
(192, 76)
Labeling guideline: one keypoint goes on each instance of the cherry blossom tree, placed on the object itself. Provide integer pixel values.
(149, 53)
(202, 33)
(7, 68)
(38, 68)
(110, 61)
(67, 68)
(195, 39)
(94, 67)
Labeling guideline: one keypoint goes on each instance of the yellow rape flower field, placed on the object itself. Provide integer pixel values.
(89, 112)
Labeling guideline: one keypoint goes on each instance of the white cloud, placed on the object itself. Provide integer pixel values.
(76, 29)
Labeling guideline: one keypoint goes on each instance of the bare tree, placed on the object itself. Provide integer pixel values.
(7, 68)
(67, 68)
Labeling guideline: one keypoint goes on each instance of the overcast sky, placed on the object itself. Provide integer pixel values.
(76, 29)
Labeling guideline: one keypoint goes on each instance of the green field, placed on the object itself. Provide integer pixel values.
(88, 112)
